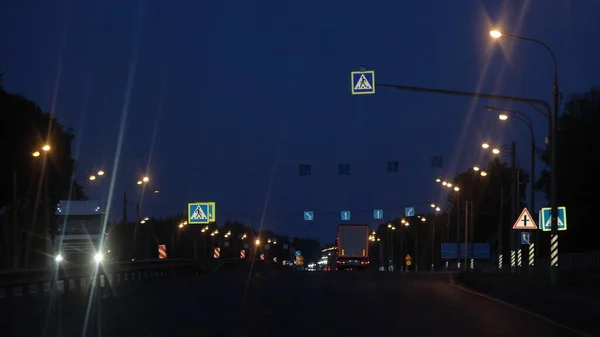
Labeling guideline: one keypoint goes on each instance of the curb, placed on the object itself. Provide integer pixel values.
(515, 307)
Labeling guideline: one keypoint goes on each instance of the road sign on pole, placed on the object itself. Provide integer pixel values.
(308, 215)
(525, 238)
(545, 216)
(201, 212)
(362, 82)
(345, 215)
(525, 221)
(377, 214)
(409, 211)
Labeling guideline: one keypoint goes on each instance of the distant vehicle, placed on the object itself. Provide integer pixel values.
(352, 247)
(78, 232)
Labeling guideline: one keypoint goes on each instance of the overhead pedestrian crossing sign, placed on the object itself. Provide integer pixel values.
(201, 213)
(362, 82)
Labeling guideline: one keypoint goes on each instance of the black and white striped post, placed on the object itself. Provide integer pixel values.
(531, 257)
(554, 250)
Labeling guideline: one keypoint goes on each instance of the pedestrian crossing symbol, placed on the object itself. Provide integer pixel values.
(546, 217)
(363, 82)
(201, 213)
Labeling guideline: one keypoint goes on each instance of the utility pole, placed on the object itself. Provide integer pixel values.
(513, 204)
(466, 234)
(433, 242)
(457, 231)
(416, 246)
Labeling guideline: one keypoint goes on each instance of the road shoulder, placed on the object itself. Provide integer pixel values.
(573, 311)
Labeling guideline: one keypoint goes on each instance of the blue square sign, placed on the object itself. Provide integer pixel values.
(377, 214)
(546, 215)
(200, 213)
(345, 215)
(525, 238)
(362, 82)
(308, 215)
(409, 211)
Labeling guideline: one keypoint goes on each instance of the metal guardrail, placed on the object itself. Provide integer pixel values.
(105, 275)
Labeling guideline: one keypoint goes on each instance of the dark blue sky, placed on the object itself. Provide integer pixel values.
(223, 100)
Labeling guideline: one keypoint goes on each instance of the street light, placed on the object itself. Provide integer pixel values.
(483, 173)
(552, 117)
(495, 34)
(495, 151)
(485, 145)
(456, 188)
(518, 115)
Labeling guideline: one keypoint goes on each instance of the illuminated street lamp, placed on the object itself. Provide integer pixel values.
(495, 34)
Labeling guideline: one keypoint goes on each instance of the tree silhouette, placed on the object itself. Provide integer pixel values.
(490, 202)
(578, 159)
(31, 186)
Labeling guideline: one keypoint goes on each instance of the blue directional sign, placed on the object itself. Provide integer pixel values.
(546, 215)
(345, 215)
(201, 212)
(409, 211)
(308, 215)
(525, 238)
(474, 251)
(362, 82)
(377, 214)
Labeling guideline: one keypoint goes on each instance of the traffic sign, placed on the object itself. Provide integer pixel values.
(298, 253)
(546, 215)
(345, 215)
(377, 214)
(212, 216)
(201, 212)
(525, 221)
(308, 215)
(473, 251)
(409, 211)
(408, 257)
(525, 238)
(362, 82)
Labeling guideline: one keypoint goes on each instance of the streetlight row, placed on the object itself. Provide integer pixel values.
(227, 234)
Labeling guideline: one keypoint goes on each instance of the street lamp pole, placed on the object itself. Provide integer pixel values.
(553, 122)
(525, 119)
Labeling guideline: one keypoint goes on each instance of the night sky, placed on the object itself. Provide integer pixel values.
(221, 101)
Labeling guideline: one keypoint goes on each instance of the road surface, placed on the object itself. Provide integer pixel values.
(277, 303)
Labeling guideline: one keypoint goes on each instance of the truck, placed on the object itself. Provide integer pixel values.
(78, 233)
(352, 247)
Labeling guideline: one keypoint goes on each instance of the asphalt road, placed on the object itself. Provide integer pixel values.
(275, 303)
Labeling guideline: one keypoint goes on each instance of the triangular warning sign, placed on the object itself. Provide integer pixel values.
(199, 214)
(363, 83)
(408, 257)
(525, 221)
